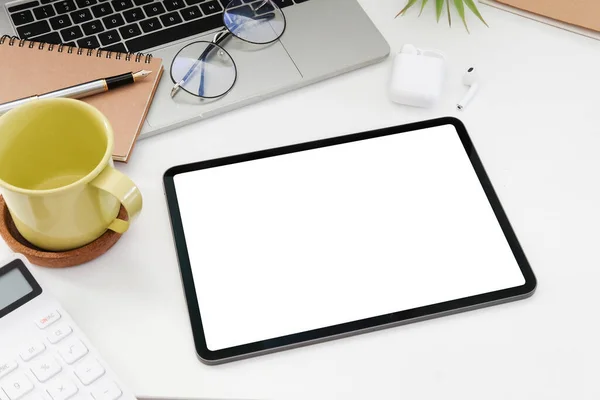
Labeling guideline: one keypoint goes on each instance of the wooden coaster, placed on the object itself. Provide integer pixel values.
(59, 259)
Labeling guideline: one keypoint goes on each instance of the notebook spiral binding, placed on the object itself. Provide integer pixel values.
(14, 40)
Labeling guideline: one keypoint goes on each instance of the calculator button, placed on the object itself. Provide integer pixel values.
(73, 351)
(6, 367)
(17, 387)
(31, 351)
(57, 334)
(62, 389)
(107, 391)
(45, 368)
(88, 371)
(47, 319)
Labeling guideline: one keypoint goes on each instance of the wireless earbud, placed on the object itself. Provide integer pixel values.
(470, 79)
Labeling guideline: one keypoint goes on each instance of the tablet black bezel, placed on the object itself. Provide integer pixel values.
(354, 327)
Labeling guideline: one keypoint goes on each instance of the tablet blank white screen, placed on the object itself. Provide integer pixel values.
(317, 238)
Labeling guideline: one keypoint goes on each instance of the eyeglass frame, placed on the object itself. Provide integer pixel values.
(219, 38)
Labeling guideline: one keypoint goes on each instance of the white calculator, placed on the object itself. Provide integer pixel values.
(43, 354)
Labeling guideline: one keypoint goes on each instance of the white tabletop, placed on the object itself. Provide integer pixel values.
(535, 125)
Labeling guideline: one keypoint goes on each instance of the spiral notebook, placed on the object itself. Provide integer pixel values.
(28, 68)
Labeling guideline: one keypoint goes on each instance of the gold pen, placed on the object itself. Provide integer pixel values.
(82, 90)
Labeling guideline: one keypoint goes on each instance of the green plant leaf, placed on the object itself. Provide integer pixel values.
(406, 7)
(460, 8)
(422, 7)
(475, 11)
(449, 16)
(438, 8)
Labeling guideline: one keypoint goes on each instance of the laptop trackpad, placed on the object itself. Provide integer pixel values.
(262, 69)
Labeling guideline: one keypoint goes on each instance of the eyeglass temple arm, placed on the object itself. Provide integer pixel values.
(220, 37)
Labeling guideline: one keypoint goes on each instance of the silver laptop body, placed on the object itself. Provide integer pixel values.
(323, 38)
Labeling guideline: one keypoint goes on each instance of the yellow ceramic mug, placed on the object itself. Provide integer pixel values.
(57, 176)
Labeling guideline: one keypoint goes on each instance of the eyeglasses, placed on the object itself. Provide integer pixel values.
(205, 69)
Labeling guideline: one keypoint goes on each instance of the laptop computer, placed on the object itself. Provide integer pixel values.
(323, 38)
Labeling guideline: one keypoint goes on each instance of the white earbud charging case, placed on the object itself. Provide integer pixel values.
(417, 77)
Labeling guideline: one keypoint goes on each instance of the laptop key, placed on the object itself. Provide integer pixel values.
(80, 16)
(52, 37)
(154, 9)
(62, 21)
(85, 3)
(174, 33)
(262, 8)
(245, 11)
(109, 37)
(113, 21)
(173, 5)
(102, 10)
(283, 3)
(92, 27)
(71, 33)
(211, 7)
(89, 42)
(65, 6)
(191, 13)
(35, 29)
(120, 5)
(23, 6)
(133, 15)
(150, 25)
(44, 12)
(142, 2)
(117, 48)
(170, 19)
(129, 31)
(22, 17)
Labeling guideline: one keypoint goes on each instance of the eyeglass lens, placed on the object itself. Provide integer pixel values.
(209, 76)
(259, 21)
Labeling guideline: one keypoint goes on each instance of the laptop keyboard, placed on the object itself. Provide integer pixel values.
(118, 25)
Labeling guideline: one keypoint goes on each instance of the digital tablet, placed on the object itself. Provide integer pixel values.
(314, 241)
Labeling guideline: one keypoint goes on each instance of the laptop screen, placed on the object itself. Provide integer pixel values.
(311, 239)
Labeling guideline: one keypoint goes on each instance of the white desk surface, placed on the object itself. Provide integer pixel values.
(535, 124)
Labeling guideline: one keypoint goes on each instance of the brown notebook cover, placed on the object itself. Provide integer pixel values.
(584, 13)
(30, 68)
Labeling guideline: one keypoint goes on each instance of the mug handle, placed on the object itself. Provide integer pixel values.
(119, 185)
